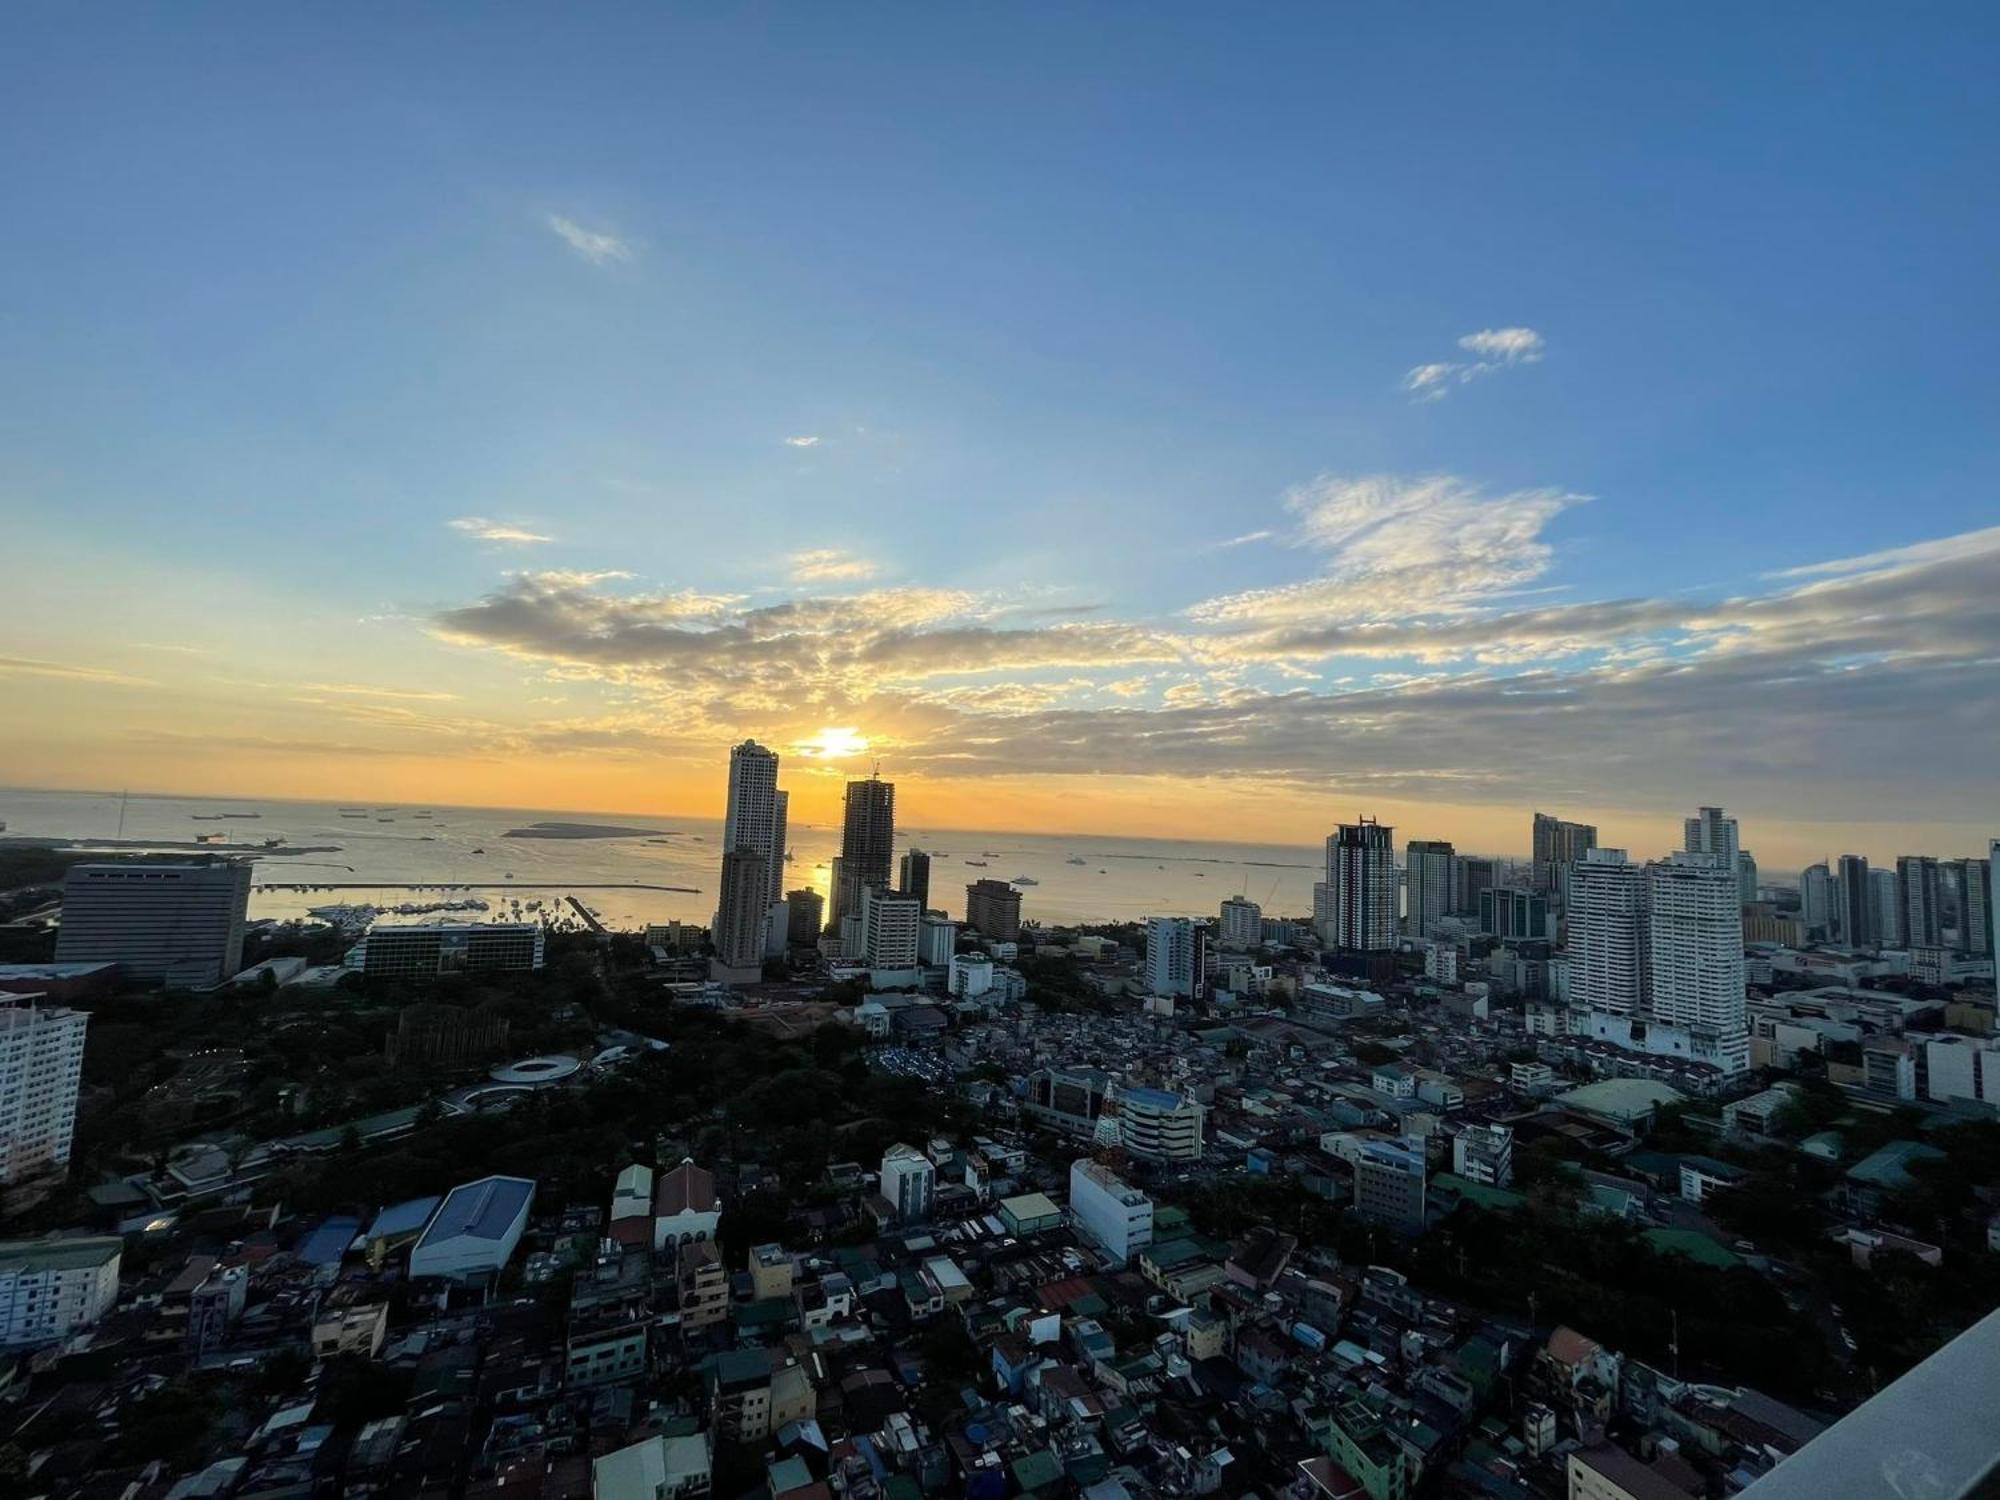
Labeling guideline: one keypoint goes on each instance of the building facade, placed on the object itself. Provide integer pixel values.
(1428, 865)
(41, 1067)
(178, 923)
(1109, 1212)
(1605, 922)
(1361, 879)
(993, 909)
(49, 1289)
(754, 812)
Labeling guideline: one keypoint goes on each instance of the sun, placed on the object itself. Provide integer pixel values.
(834, 744)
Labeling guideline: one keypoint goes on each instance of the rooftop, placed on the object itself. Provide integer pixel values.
(483, 1210)
(27, 1257)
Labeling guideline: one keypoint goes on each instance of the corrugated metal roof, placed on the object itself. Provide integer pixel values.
(482, 1210)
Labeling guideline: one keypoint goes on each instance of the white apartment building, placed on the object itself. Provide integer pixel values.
(1107, 1211)
(754, 812)
(937, 940)
(1170, 956)
(1605, 918)
(1694, 937)
(1361, 877)
(1242, 923)
(969, 976)
(909, 1182)
(1156, 1125)
(51, 1288)
(890, 921)
(1428, 866)
(1885, 909)
(1962, 1067)
(1484, 1153)
(179, 923)
(41, 1062)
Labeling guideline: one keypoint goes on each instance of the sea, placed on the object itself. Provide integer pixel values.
(655, 868)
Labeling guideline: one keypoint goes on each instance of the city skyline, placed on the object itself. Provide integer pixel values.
(1218, 495)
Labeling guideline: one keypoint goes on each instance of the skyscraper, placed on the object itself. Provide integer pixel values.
(1975, 905)
(1853, 923)
(1992, 912)
(754, 811)
(914, 877)
(867, 841)
(1170, 956)
(41, 1067)
(179, 923)
(1711, 831)
(1919, 902)
(805, 911)
(1428, 863)
(890, 920)
(994, 908)
(1884, 909)
(1514, 913)
(1361, 876)
(1242, 924)
(1816, 898)
(1470, 877)
(1557, 845)
(1746, 877)
(741, 915)
(1694, 943)
(1606, 922)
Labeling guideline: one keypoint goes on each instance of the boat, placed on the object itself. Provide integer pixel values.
(206, 817)
(1075, 859)
(1103, 872)
(979, 862)
(1024, 880)
(385, 820)
(354, 815)
(1201, 874)
(478, 851)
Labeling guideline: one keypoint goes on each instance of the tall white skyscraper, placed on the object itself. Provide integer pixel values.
(1884, 909)
(1361, 875)
(1605, 926)
(41, 1063)
(179, 923)
(755, 811)
(1428, 864)
(1170, 956)
(1694, 944)
(1816, 898)
(890, 924)
(741, 916)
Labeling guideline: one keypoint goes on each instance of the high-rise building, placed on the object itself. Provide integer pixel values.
(1470, 877)
(805, 917)
(754, 812)
(1711, 831)
(1157, 1125)
(1389, 1184)
(41, 1066)
(1606, 923)
(1816, 899)
(435, 950)
(937, 940)
(1746, 877)
(909, 1182)
(913, 877)
(1429, 864)
(1558, 844)
(1974, 894)
(1853, 909)
(1514, 912)
(1170, 956)
(740, 918)
(179, 923)
(868, 832)
(993, 908)
(1242, 923)
(1992, 911)
(1919, 902)
(1323, 912)
(1884, 908)
(890, 922)
(1694, 943)
(1361, 874)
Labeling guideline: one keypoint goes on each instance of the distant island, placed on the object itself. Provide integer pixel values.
(583, 831)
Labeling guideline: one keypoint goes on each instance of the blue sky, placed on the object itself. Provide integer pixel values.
(1067, 298)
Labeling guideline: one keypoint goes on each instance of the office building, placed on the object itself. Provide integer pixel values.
(1854, 921)
(755, 812)
(993, 910)
(50, 1289)
(475, 1230)
(177, 923)
(1241, 925)
(1389, 1184)
(1605, 924)
(1711, 831)
(913, 877)
(867, 842)
(1884, 909)
(937, 940)
(909, 1182)
(1428, 864)
(1071, 1100)
(1514, 913)
(41, 1066)
(1558, 844)
(1816, 899)
(889, 923)
(1361, 875)
(1484, 1154)
(740, 917)
(432, 950)
(1156, 1125)
(1470, 878)
(1108, 1212)
(1694, 942)
(1972, 882)
(1919, 902)
(805, 917)
(1170, 957)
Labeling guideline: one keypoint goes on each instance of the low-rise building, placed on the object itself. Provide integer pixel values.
(1108, 1212)
(50, 1289)
(475, 1229)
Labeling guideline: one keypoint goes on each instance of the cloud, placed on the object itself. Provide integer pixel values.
(27, 666)
(1496, 349)
(596, 246)
(1394, 547)
(1244, 540)
(359, 690)
(830, 565)
(809, 441)
(495, 531)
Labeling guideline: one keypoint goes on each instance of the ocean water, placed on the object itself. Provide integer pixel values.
(391, 848)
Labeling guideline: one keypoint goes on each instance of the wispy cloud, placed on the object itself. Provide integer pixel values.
(809, 440)
(597, 246)
(830, 565)
(487, 530)
(1494, 349)
(1244, 540)
(362, 690)
(27, 666)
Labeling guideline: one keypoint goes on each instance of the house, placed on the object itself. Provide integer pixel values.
(685, 1207)
(656, 1468)
(358, 1331)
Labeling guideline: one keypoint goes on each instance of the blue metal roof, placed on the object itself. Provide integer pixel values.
(328, 1243)
(484, 1209)
(401, 1218)
(1153, 1098)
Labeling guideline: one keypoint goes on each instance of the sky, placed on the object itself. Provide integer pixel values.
(1166, 419)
